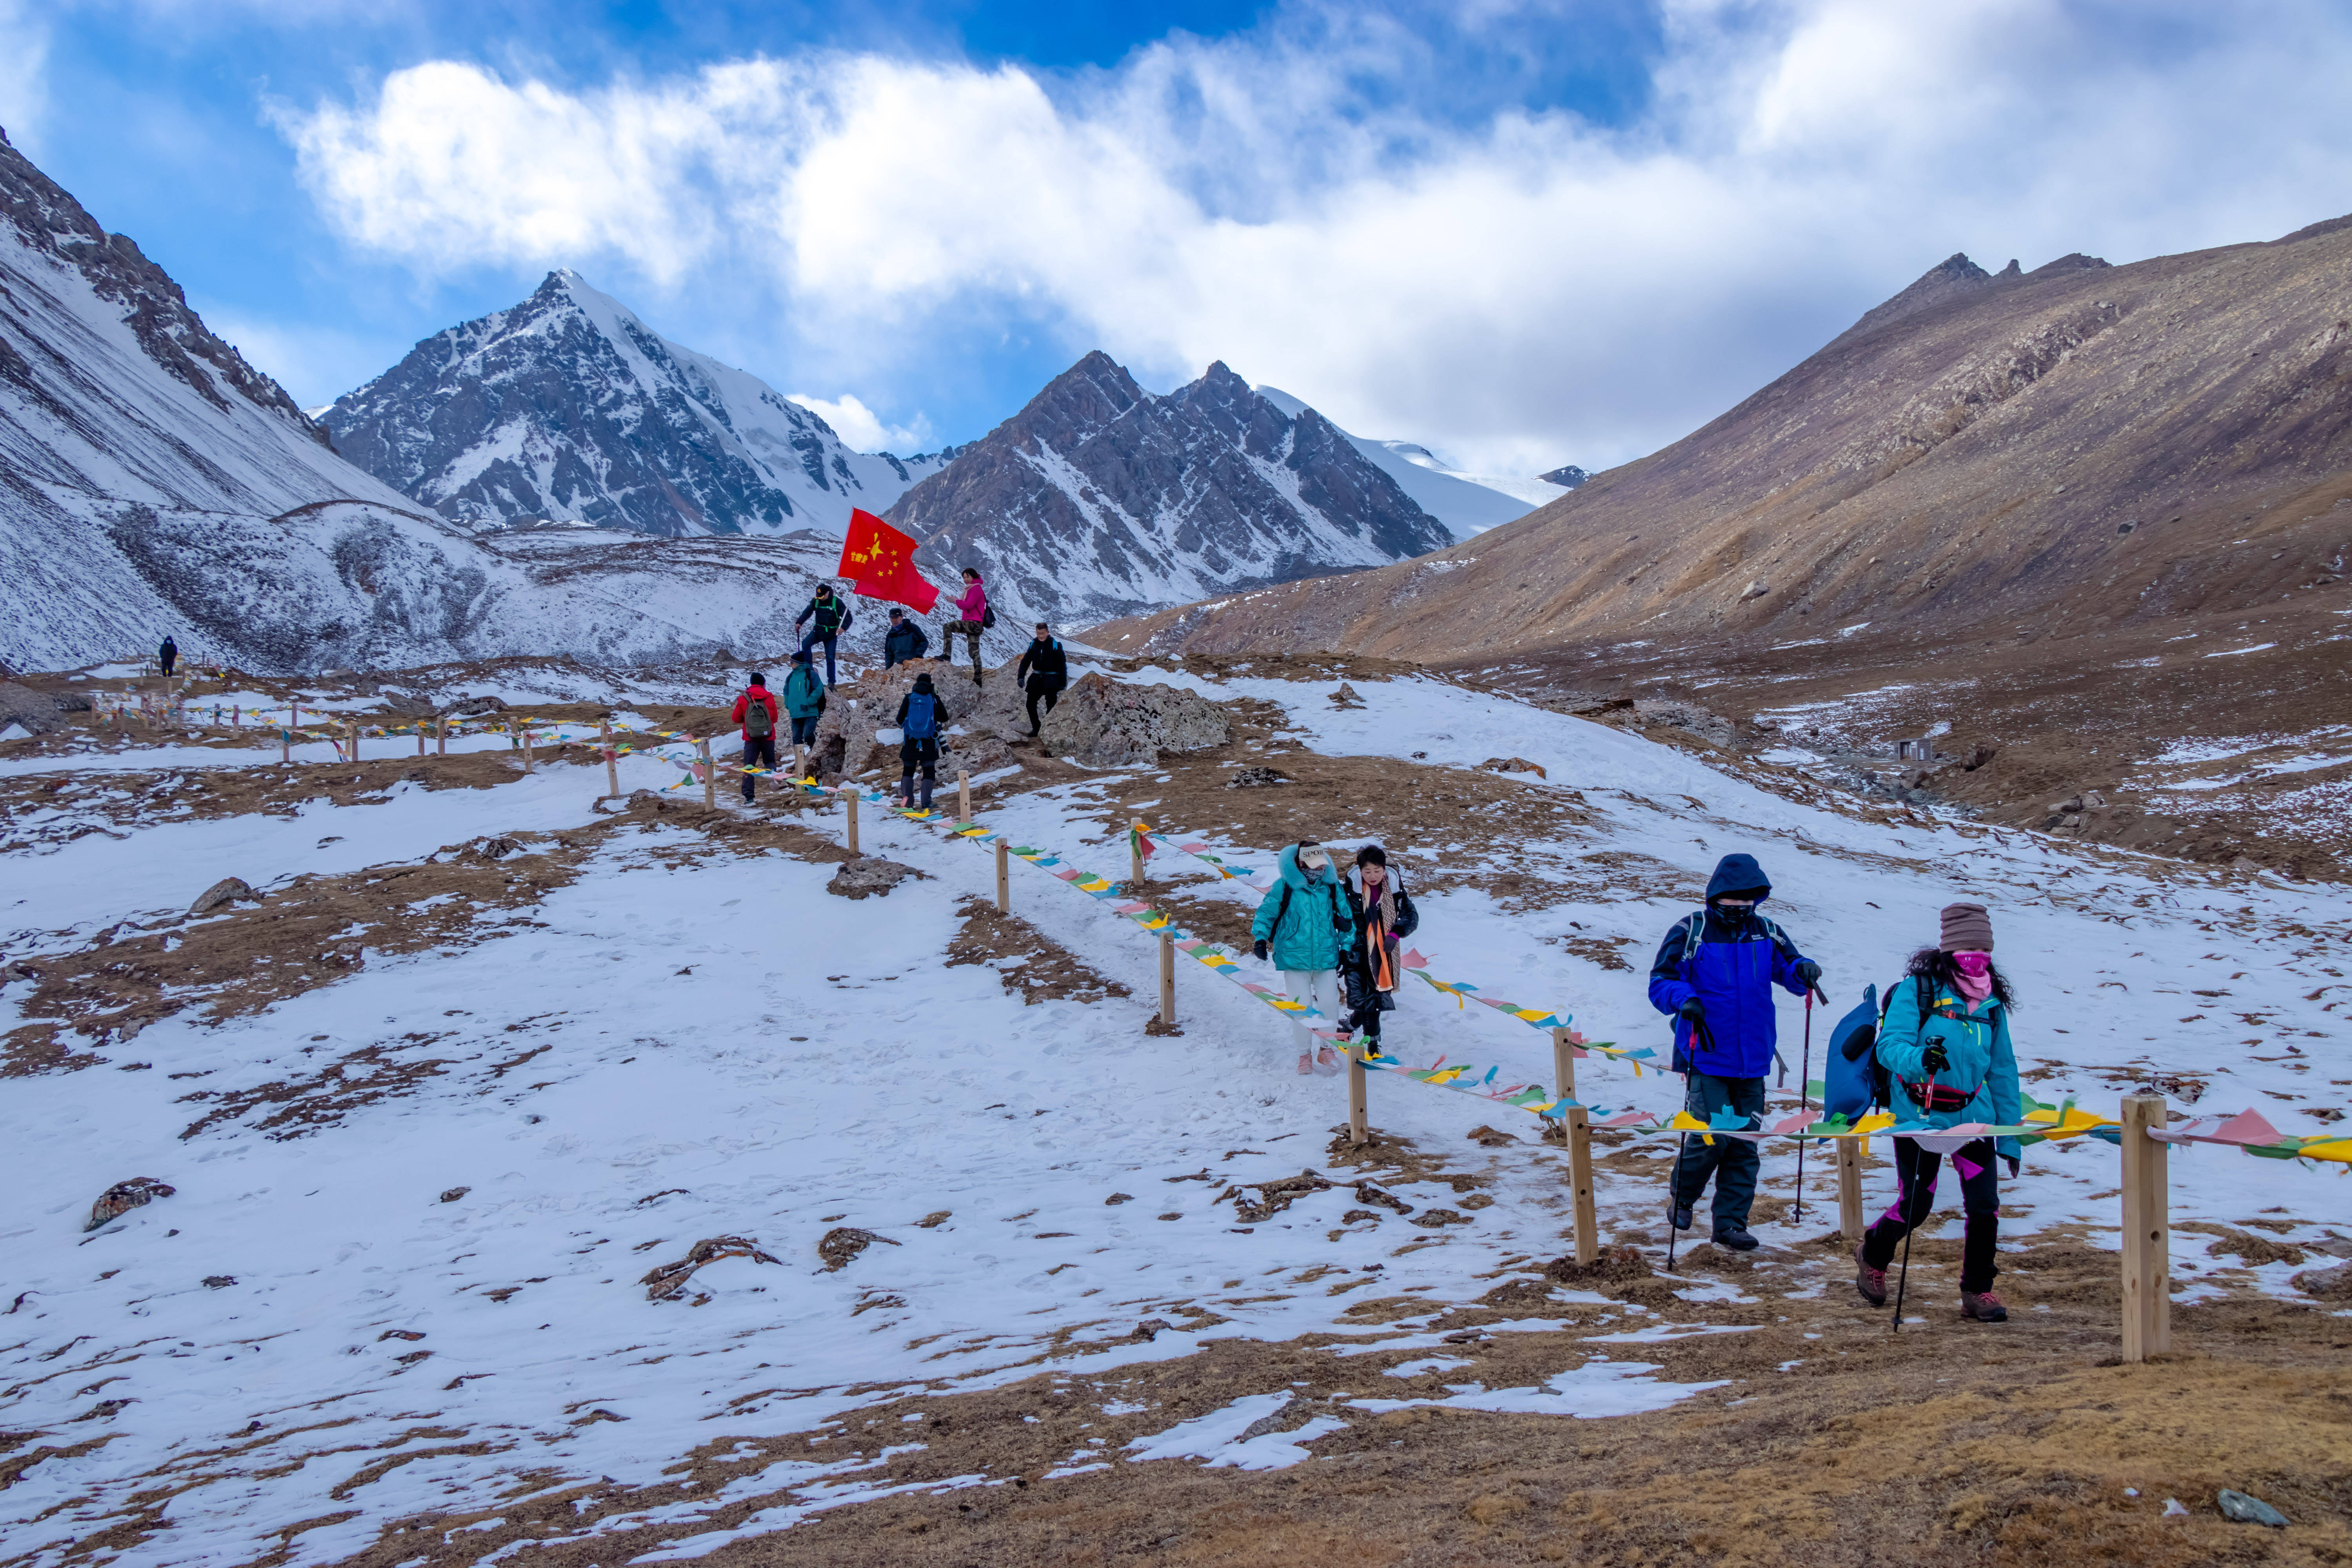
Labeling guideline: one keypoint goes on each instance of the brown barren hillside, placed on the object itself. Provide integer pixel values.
(2018, 454)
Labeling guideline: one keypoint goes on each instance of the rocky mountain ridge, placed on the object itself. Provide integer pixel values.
(2076, 446)
(1101, 499)
(566, 405)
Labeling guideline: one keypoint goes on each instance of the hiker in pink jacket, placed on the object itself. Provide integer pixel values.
(974, 617)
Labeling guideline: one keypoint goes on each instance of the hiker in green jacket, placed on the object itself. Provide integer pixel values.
(1303, 926)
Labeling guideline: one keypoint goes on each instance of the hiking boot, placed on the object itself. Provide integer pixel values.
(1736, 1238)
(1678, 1215)
(1326, 1061)
(1871, 1283)
(1306, 1063)
(1982, 1306)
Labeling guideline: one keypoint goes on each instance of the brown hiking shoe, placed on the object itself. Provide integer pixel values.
(1871, 1283)
(1983, 1306)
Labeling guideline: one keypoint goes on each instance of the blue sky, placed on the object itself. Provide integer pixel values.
(1525, 232)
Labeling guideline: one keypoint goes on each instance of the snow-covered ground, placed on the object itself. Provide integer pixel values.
(707, 1044)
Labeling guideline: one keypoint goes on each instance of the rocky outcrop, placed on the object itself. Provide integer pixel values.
(1107, 725)
(1099, 499)
(855, 709)
(568, 406)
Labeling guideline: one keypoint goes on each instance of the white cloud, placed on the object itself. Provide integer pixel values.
(1527, 290)
(863, 429)
(24, 89)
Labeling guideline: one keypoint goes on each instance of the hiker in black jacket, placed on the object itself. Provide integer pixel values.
(903, 641)
(167, 656)
(831, 612)
(1043, 671)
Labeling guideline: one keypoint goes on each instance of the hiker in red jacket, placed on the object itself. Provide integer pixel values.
(975, 616)
(756, 711)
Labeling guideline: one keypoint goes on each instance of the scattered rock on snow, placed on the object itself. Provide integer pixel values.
(1487, 1137)
(668, 1282)
(2239, 1508)
(220, 1281)
(1514, 765)
(1368, 1194)
(1257, 778)
(935, 1219)
(221, 894)
(453, 1194)
(1119, 1198)
(841, 1245)
(867, 877)
(1346, 697)
(123, 1196)
(2327, 1284)
(1435, 1219)
(1105, 725)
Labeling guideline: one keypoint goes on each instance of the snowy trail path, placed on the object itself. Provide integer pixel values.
(795, 1062)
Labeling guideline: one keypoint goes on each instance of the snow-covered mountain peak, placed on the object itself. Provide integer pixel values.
(568, 406)
(1099, 498)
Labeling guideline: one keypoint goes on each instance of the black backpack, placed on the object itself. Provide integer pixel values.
(988, 617)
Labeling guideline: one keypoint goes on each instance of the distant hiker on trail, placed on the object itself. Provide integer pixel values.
(1714, 976)
(1305, 927)
(756, 711)
(973, 618)
(167, 656)
(804, 704)
(831, 613)
(918, 724)
(1944, 1042)
(1043, 671)
(903, 641)
(1384, 917)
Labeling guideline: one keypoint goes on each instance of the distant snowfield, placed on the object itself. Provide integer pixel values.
(680, 1051)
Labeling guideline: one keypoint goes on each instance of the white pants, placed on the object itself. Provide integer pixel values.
(1316, 988)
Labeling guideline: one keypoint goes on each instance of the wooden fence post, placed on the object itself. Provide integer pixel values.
(1580, 1177)
(1849, 1178)
(1134, 857)
(526, 745)
(2146, 1230)
(1004, 880)
(420, 737)
(441, 736)
(352, 729)
(964, 796)
(1359, 1126)
(611, 764)
(285, 745)
(1167, 981)
(710, 777)
(849, 804)
(1563, 1064)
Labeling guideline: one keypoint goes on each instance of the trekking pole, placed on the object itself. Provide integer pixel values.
(1804, 1102)
(1675, 1192)
(1903, 1201)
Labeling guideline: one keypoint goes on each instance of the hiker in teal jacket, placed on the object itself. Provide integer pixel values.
(804, 705)
(1944, 1042)
(1303, 924)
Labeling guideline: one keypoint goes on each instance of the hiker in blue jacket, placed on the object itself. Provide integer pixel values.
(918, 740)
(1714, 976)
(1944, 1042)
(1305, 926)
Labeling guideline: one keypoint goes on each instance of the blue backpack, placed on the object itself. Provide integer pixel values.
(1852, 1081)
(922, 716)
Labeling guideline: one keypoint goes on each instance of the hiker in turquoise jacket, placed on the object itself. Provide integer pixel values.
(1944, 1042)
(804, 704)
(1303, 924)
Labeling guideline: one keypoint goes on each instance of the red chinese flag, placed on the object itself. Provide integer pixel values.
(880, 563)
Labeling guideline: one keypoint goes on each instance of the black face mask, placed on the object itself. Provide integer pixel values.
(1733, 917)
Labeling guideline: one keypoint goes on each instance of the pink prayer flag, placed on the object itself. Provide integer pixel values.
(2246, 1127)
(1794, 1124)
(1412, 959)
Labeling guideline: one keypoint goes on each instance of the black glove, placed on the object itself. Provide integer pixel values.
(1258, 949)
(2013, 1166)
(1692, 1011)
(1810, 973)
(1934, 1059)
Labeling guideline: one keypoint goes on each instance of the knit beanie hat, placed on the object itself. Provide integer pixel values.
(1967, 928)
